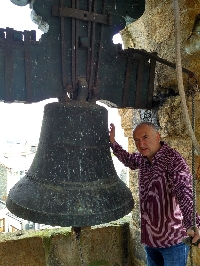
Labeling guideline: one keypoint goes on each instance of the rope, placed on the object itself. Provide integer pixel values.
(180, 77)
(193, 179)
(193, 167)
(195, 144)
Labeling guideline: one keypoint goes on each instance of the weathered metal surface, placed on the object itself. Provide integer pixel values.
(15, 65)
(162, 61)
(136, 89)
(78, 45)
(81, 14)
(72, 180)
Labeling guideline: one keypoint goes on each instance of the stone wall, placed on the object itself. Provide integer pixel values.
(105, 245)
(154, 32)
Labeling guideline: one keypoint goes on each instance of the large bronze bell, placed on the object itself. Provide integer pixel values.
(72, 180)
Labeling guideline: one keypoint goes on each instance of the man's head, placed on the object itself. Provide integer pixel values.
(147, 139)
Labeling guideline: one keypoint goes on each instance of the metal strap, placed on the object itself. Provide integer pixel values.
(74, 47)
(92, 53)
(96, 80)
(155, 57)
(81, 14)
(64, 70)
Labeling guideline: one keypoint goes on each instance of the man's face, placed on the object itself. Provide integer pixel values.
(147, 140)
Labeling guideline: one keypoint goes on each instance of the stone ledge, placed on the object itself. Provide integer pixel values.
(103, 245)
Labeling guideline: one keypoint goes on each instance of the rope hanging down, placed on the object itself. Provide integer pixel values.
(192, 90)
(195, 144)
(180, 77)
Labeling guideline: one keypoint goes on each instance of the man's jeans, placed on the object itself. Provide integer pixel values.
(172, 256)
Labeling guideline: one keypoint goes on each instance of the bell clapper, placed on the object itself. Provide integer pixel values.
(77, 231)
(64, 98)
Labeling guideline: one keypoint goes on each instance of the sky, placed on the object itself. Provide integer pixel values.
(23, 121)
(17, 17)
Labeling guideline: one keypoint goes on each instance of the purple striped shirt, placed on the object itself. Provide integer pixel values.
(165, 192)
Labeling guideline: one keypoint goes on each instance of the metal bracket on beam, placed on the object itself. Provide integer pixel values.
(155, 57)
(132, 58)
(81, 14)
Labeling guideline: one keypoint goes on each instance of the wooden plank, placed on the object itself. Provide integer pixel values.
(139, 85)
(151, 83)
(127, 80)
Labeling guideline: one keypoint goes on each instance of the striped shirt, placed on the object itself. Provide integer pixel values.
(165, 193)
